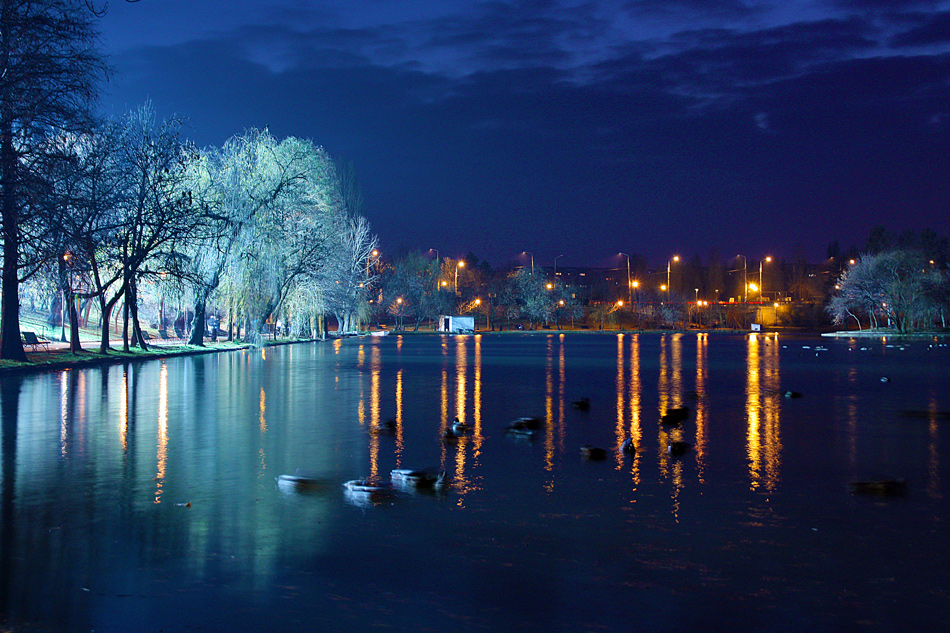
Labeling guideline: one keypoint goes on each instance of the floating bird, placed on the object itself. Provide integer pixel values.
(792, 394)
(525, 426)
(678, 448)
(386, 428)
(592, 453)
(459, 427)
(675, 415)
(582, 405)
(885, 379)
(627, 447)
(880, 488)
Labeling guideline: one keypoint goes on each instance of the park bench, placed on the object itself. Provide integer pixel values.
(31, 339)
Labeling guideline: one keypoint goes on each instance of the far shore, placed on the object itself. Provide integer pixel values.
(58, 357)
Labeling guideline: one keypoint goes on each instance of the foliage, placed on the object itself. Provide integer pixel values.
(897, 287)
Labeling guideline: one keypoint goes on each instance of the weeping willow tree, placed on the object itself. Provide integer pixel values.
(288, 242)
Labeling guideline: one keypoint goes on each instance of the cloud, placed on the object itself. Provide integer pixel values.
(566, 126)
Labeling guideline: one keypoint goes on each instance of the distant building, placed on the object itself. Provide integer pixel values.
(456, 324)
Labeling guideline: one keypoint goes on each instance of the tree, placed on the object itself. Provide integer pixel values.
(529, 297)
(350, 273)
(410, 289)
(159, 212)
(49, 73)
(246, 176)
(897, 284)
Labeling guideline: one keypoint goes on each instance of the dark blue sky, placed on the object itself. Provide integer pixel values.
(580, 128)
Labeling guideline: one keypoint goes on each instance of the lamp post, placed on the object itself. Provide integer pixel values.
(745, 279)
(460, 264)
(555, 268)
(439, 264)
(628, 276)
(478, 302)
(532, 259)
(669, 266)
(761, 286)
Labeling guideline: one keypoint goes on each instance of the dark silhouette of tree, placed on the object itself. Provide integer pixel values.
(49, 74)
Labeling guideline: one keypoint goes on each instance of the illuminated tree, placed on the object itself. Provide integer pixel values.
(898, 285)
(249, 174)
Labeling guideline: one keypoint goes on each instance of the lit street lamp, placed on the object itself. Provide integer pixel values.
(460, 264)
(532, 259)
(628, 275)
(761, 285)
(669, 265)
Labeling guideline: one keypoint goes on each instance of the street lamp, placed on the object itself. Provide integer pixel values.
(761, 286)
(532, 259)
(628, 275)
(669, 265)
(460, 264)
(745, 279)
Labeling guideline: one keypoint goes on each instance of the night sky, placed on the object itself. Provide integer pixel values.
(582, 128)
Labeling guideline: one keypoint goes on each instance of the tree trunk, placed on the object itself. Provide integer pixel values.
(197, 332)
(137, 337)
(11, 347)
(74, 345)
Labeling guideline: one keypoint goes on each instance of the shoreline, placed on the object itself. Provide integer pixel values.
(48, 361)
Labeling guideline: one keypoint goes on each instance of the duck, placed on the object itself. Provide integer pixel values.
(459, 427)
(792, 394)
(885, 379)
(592, 453)
(524, 426)
(627, 447)
(678, 448)
(417, 478)
(675, 415)
(582, 405)
(385, 428)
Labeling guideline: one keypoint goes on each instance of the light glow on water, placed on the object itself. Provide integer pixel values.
(755, 521)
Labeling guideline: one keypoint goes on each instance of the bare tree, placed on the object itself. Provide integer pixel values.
(49, 73)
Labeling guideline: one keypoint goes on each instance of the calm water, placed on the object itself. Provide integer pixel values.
(143, 497)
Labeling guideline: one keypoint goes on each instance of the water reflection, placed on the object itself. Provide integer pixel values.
(763, 430)
(162, 457)
(79, 498)
(702, 359)
(634, 395)
(933, 445)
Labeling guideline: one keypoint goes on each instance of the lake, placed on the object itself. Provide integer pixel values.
(144, 497)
